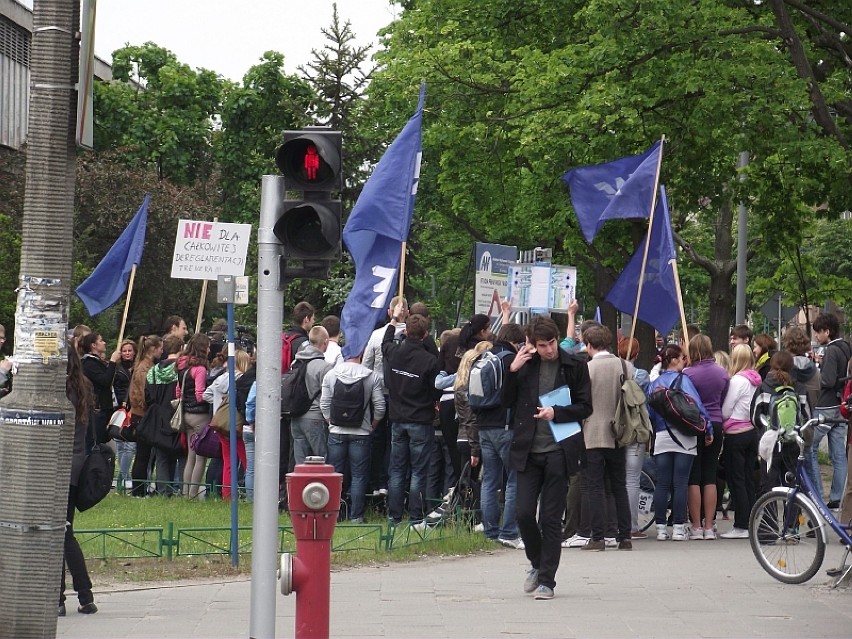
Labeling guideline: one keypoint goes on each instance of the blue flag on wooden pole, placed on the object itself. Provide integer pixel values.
(108, 281)
(376, 229)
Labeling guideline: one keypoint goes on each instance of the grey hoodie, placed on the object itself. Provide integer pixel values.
(350, 373)
(807, 379)
(317, 368)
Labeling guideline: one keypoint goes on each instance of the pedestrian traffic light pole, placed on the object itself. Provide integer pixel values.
(270, 315)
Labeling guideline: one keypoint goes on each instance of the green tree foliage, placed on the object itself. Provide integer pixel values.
(160, 112)
(519, 92)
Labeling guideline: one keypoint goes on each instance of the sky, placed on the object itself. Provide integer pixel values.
(228, 37)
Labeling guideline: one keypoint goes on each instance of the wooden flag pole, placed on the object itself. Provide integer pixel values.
(647, 247)
(402, 269)
(126, 305)
(673, 262)
(203, 299)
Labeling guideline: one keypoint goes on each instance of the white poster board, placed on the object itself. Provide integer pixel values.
(206, 250)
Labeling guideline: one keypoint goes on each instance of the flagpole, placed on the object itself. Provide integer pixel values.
(673, 262)
(402, 269)
(126, 304)
(647, 246)
(203, 299)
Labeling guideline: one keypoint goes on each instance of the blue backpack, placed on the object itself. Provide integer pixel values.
(486, 380)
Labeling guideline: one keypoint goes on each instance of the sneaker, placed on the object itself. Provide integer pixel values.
(595, 546)
(517, 544)
(695, 534)
(437, 515)
(61, 610)
(638, 534)
(625, 544)
(421, 526)
(479, 528)
(710, 534)
(543, 592)
(531, 582)
(576, 541)
(834, 504)
(679, 533)
(611, 542)
(735, 533)
(662, 533)
(88, 609)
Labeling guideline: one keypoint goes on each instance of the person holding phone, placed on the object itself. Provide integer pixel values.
(543, 464)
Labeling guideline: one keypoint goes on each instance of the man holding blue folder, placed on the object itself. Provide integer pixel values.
(543, 452)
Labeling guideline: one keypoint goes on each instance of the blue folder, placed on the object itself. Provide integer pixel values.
(560, 397)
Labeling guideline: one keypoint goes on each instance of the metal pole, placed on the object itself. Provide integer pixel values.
(270, 315)
(232, 435)
(742, 239)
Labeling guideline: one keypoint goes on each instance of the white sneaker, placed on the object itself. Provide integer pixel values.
(695, 533)
(576, 541)
(517, 544)
(710, 534)
(679, 533)
(662, 532)
(479, 528)
(735, 533)
(611, 542)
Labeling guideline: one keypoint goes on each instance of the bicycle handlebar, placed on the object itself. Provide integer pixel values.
(819, 419)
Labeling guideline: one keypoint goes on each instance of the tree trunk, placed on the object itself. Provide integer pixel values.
(36, 420)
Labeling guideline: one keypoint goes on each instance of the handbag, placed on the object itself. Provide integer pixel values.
(206, 443)
(679, 409)
(95, 480)
(176, 422)
(221, 421)
(121, 425)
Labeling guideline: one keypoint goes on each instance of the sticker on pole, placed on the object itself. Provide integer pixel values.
(206, 250)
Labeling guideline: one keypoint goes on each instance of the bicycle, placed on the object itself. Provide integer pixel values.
(787, 525)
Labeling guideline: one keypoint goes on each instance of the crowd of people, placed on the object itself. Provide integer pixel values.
(405, 422)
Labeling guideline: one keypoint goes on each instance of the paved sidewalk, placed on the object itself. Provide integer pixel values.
(660, 589)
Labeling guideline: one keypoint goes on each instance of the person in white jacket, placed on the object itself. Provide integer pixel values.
(741, 438)
(349, 444)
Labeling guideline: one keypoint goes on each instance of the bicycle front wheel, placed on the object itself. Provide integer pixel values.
(785, 537)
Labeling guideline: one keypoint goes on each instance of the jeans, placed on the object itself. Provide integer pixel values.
(672, 478)
(440, 476)
(602, 464)
(836, 452)
(411, 447)
(352, 451)
(495, 443)
(634, 459)
(380, 453)
(544, 481)
(740, 451)
(124, 452)
(248, 440)
(310, 437)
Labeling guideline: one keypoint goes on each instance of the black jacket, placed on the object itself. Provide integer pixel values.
(835, 363)
(520, 392)
(101, 374)
(410, 372)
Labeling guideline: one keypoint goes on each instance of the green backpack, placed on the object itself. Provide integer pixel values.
(785, 412)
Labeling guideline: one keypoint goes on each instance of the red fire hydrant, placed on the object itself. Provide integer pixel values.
(313, 491)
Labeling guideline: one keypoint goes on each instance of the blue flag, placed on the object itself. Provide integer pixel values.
(619, 189)
(108, 281)
(376, 229)
(658, 305)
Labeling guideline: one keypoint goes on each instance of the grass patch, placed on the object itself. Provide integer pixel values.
(204, 540)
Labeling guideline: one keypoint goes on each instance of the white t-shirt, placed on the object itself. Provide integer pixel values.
(333, 354)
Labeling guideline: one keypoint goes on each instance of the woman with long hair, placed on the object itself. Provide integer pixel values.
(78, 389)
(711, 381)
(741, 438)
(101, 373)
(192, 381)
(121, 386)
(673, 456)
(150, 350)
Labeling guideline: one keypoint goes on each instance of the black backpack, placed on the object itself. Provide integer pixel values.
(295, 400)
(348, 403)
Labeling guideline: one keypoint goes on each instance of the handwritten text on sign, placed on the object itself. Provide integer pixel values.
(206, 250)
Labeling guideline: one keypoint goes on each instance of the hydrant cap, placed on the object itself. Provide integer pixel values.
(315, 495)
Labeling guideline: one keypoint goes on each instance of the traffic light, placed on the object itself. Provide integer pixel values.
(310, 227)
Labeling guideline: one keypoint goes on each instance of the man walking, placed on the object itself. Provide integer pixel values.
(543, 464)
